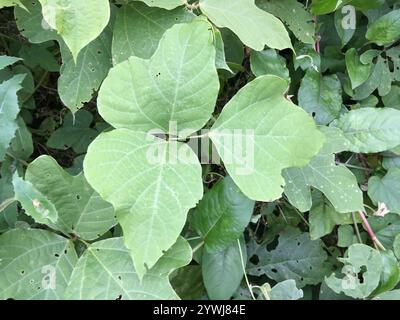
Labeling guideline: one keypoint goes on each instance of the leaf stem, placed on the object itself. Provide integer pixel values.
(17, 159)
(371, 232)
(6, 203)
(197, 247)
(353, 216)
(244, 271)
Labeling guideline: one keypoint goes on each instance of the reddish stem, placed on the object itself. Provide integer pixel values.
(317, 42)
(370, 232)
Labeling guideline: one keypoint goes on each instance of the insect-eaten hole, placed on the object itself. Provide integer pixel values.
(273, 270)
(363, 269)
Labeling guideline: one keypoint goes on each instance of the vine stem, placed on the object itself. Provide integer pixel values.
(317, 42)
(353, 216)
(244, 270)
(197, 247)
(17, 159)
(371, 232)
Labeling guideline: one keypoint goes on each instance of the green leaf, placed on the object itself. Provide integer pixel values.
(286, 290)
(273, 129)
(345, 34)
(295, 16)
(138, 29)
(166, 4)
(35, 264)
(389, 295)
(255, 27)
(22, 144)
(222, 215)
(336, 181)
(386, 189)
(77, 22)
(10, 3)
(268, 62)
(320, 7)
(40, 55)
(78, 80)
(392, 99)
(296, 257)
(35, 204)
(106, 272)
(220, 59)
(323, 218)
(223, 270)
(346, 236)
(188, 282)
(386, 29)
(321, 96)
(9, 110)
(151, 187)
(6, 61)
(360, 262)
(75, 133)
(386, 228)
(358, 72)
(371, 130)
(178, 84)
(81, 211)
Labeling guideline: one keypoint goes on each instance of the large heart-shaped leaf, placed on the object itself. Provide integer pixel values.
(178, 84)
(254, 26)
(151, 187)
(272, 132)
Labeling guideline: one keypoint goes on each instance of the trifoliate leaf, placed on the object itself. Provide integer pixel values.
(81, 211)
(254, 26)
(222, 215)
(336, 181)
(151, 187)
(275, 134)
(35, 264)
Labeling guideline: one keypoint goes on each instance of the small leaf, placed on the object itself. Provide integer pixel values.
(358, 72)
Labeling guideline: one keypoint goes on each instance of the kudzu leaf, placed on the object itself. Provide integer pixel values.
(35, 264)
(286, 290)
(268, 62)
(296, 257)
(81, 211)
(178, 84)
(6, 61)
(223, 270)
(166, 4)
(386, 29)
(222, 215)
(9, 109)
(360, 262)
(35, 204)
(151, 187)
(295, 16)
(371, 130)
(275, 134)
(321, 96)
(255, 27)
(138, 29)
(106, 272)
(77, 22)
(320, 7)
(336, 181)
(358, 72)
(75, 133)
(386, 189)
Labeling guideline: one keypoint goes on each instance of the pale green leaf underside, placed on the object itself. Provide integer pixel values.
(27, 257)
(255, 27)
(336, 181)
(106, 272)
(286, 290)
(151, 187)
(7, 61)
(138, 29)
(81, 210)
(179, 83)
(77, 22)
(9, 109)
(166, 4)
(371, 130)
(281, 134)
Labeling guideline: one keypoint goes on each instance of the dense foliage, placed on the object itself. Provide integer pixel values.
(165, 149)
